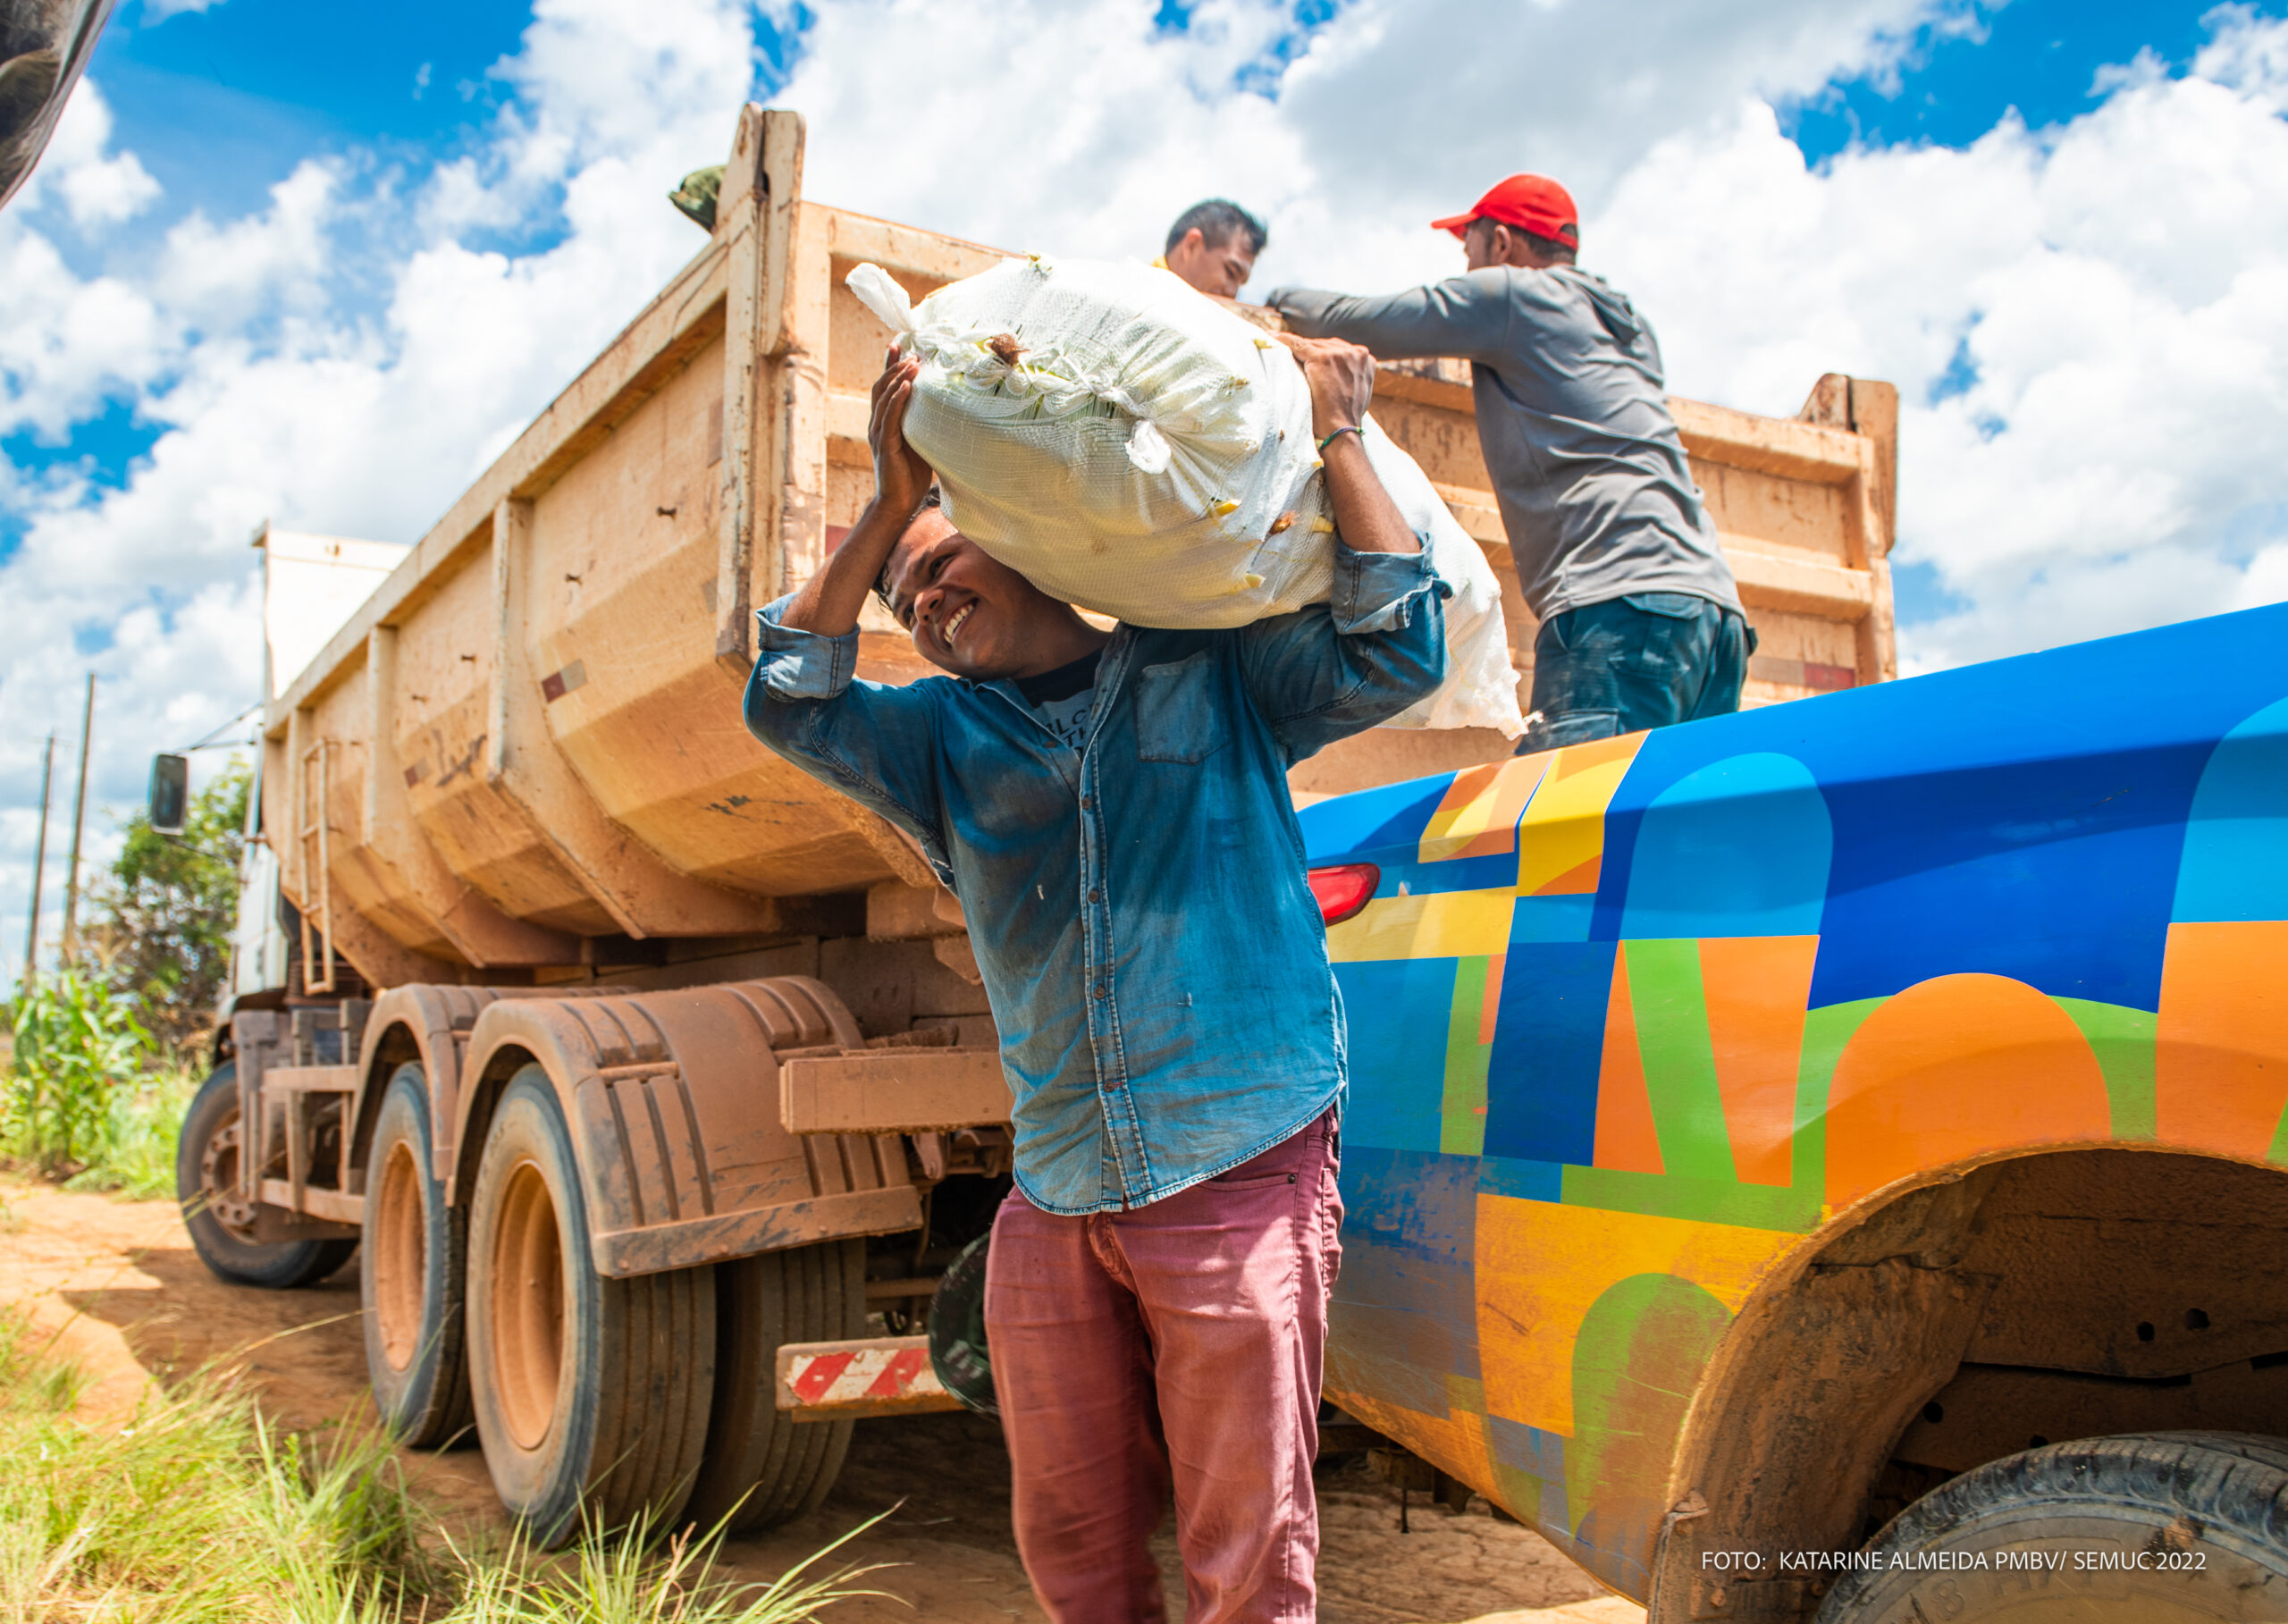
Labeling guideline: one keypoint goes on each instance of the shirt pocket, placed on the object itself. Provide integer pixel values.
(1177, 718)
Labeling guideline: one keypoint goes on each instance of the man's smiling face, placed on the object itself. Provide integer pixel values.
(969, 613)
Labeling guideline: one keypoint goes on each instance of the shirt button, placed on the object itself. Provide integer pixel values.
(1100, 990)
(1095, 892)
(1087, 802)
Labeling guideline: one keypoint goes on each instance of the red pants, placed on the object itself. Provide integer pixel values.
(1177, 1345)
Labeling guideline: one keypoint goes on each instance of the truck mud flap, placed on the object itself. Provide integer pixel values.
(876, 1375)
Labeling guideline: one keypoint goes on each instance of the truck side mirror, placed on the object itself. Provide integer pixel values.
(170, 793)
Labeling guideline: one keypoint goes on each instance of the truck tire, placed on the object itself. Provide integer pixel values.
(591, 1395)
(206, 1185)
(762, 1469)
(411, 1274)
(2146, 1528)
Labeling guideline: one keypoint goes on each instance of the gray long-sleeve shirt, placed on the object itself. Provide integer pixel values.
(1573, 416)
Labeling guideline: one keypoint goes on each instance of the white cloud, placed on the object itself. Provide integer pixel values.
(283, 389)
(2118, 286)
(347, 355)
(226, 273)
(1083, 127)
(98, 186)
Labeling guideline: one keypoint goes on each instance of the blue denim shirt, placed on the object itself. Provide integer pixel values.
(1153, 957)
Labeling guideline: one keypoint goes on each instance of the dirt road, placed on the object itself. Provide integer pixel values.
(118, 1283)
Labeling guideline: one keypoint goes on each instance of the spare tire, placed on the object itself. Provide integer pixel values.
(2146, 1528)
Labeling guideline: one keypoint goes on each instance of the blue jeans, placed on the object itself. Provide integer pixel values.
(1643, 660)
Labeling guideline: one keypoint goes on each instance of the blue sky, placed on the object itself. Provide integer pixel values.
(222, 103)
(327, 258)
(2038, 57)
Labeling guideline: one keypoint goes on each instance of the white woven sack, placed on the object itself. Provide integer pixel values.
(1133, 447)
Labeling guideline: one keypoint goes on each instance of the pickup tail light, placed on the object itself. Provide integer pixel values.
(1344, 889)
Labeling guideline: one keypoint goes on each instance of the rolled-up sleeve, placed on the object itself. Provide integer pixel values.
(876, 742)
(796, 664)
(1376, 647)
(1381, 592)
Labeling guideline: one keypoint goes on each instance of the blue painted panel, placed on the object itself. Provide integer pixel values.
(1551, 919)
(1406, 1301)
(1371, 819)
(2024, 818)
(1526, 1449)
(2235, 863)
(1542, 1076)
(1398, 1010)
(1737, 849)
(1496, 872)
(1502, 1175)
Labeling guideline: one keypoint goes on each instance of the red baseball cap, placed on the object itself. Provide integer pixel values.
(1533, 203)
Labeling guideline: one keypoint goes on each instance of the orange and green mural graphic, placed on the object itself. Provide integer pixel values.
(1630, 1020)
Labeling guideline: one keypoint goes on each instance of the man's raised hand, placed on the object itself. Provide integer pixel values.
(901, 477)
(1341, 378)
(829, 601)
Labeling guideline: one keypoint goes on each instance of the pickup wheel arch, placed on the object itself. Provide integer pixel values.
(2064, 1294)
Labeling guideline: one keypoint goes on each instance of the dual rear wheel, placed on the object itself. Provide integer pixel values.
(411, 1276)
(612, 1399)
(618, 1400)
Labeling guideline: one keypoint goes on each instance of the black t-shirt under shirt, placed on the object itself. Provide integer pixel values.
(1065, 696)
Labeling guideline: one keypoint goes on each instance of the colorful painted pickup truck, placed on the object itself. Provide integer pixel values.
(1764, 1126)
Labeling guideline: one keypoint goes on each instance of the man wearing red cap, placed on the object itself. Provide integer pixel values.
(1640, 621)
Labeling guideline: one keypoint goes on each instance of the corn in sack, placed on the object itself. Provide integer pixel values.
(1133, 447)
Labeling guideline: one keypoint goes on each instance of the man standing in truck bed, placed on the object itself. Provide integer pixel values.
(1113, 812)
(1213, 246)
(1640, 621)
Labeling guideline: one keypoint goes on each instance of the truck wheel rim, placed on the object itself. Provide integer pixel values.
(398, 1235)
(526, 1305)
(218, 1182)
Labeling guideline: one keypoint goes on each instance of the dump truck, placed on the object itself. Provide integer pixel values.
(651, 1082)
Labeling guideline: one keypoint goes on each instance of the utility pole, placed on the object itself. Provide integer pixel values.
(40, 861)
(78, 821)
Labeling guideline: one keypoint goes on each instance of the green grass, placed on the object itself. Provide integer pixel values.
(137, 1155)
(198, 1510)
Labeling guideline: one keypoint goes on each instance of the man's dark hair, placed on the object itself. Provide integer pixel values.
(1218, 221)
(1559, 249)
(936, 499)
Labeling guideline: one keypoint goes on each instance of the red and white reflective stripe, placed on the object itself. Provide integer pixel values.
(875, 1377)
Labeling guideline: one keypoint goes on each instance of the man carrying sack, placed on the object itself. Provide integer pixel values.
(1113, 812)
(1640, 621)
